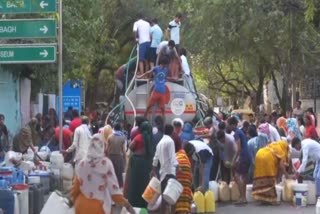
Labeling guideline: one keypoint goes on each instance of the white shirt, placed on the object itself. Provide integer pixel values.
(199, 146)
(81, 141)
(163, 44)
(185, 65)
(274, 134)
(310, 149)
(174, 29)
(143, 28)
(165, 154)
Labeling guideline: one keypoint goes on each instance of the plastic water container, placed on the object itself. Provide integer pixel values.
(279, 190)
(16, 204)
(12, 175)
(44, 179)
(214, 187)
(56, 182)
(34, 180)
(38, 197)
(67, 171)
(56, 160)
(300, 198)
(312, 199)
(210, 204)
(249, 196)
(234, 191)
(7, 201)
(287, 194)
(23, 196)
(4, 184)
(155, 206)
(29, 156)
(152, 191)
(173, 191)
(199, 202)
(318, 206)
(67, 184)
(56, 204)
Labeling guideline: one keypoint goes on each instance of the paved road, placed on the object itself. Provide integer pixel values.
(256, 209)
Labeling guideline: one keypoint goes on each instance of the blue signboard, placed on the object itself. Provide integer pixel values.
(71, 96)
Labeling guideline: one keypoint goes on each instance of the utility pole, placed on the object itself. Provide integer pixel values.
(60, 77)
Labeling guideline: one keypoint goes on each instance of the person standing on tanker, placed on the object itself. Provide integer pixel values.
(166, 48)
(156, 37)
(141, 29)
(158, 94)
(173, 31)
(169, 49)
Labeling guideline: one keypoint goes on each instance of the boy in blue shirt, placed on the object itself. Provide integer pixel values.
(157, 96)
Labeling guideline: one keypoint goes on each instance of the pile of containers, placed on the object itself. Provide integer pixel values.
(14, 193)
(67, 173)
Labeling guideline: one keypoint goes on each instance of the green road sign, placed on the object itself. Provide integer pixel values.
(27, 6)
(27, 28)
(22, 54)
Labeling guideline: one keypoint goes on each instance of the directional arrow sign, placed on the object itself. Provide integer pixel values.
(22, 54)
(27, 28)
(27, 6)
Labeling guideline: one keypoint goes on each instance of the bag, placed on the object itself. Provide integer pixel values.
(224, 191)
(234, 191)
(57, 204)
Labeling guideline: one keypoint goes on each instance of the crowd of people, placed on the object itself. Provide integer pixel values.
(230, 148)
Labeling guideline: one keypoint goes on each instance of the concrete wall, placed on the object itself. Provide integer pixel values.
(10, 100)
(307, 103)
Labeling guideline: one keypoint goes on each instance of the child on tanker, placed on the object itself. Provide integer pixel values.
(157, 96)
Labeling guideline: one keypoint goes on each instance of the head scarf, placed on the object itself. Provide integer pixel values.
(256, 143)
(293, 127)
(282, 124)
(179, 120)
(146, 130)
(264, 128)
(106, 132)
(187, 133)
(96, 174)
(280, 149)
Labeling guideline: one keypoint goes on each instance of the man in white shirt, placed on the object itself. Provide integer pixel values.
(187, 72)
(310, 150)
(173, 31)
(141, 29)
(156, 37)
(202, 155)
(166, 156)
(81, 141)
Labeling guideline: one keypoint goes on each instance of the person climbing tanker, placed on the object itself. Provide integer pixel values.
(157, 96)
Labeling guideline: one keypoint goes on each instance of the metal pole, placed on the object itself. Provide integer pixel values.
(60, 76)
(314, 91)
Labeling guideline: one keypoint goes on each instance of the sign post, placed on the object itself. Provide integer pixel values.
(27, 6)
(14, 54)
(27, 28)
(60, 72)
